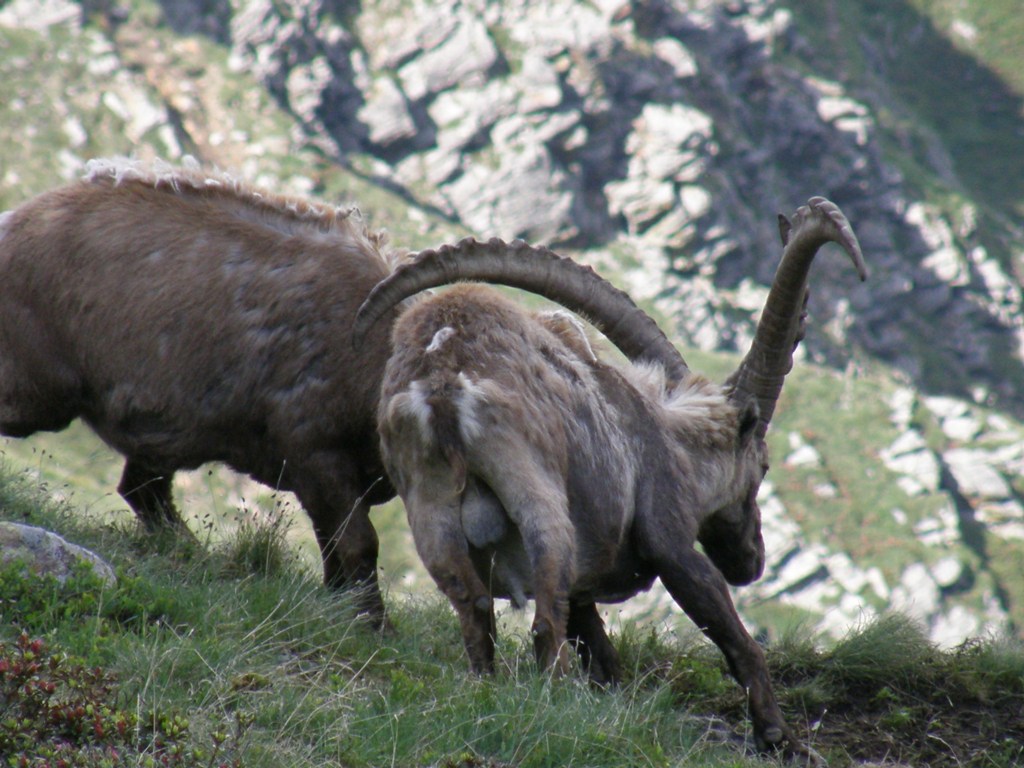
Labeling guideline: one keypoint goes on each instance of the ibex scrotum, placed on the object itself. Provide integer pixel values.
(531, 468)
(188, 317)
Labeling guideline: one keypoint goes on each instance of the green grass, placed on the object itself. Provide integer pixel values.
(189, 632)
(265, 666)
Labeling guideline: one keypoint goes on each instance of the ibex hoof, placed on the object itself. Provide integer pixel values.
(778, 741)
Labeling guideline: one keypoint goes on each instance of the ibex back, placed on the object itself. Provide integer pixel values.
(188, 318)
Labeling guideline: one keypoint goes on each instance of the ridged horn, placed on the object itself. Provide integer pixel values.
(782, 324)
(535, 269)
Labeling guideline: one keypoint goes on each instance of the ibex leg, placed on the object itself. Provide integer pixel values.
(148, 492)
(347, 539)
(587, 635)
(437, 530)
(701, 591)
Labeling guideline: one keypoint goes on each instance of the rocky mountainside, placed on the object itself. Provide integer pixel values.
(657, 141)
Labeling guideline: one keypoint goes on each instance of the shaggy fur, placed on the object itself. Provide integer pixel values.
(188, 317)
(530, 468)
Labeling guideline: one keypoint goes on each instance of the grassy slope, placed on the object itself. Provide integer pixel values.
(240, 646)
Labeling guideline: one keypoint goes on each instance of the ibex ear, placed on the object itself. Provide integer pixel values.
(750, 414)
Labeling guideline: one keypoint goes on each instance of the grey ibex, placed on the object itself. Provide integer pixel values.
(188, 318)
(531, 468)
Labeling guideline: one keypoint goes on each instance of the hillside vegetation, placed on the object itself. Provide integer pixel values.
(231, 653)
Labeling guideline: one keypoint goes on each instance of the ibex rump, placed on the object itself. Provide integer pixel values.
(530, 468)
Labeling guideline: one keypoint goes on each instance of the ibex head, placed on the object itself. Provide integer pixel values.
(731, 537)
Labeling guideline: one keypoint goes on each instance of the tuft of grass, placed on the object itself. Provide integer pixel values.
(259, 546)
(890, 651)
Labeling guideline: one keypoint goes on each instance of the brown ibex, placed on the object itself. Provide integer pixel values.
(530, 468)
(187, 318)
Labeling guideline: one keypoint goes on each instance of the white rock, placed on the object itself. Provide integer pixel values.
(1004, 520)
(825, 490)
(815, 597)
(964, 29)
(945, 259)
(877, 582)
(917, 594)
(949, 265)
(941, 530)
(956, 417)
(846, 573)
(802, 453)
(781, 534)
(962, 429)
(902, 401)
(40, 14)
(946, 408)
(540, 88)
(953, 627)
(675, 53)
(910, 486)
(676, 229)
(306, 85)
(669, 142)
(640, 199)
(385, 113)
(975, 475)
(851, 611)
(910, 441)
(805, 564)
(947, 571)
(909, 456)
(486, 198)
(463, 58)
(695, 201)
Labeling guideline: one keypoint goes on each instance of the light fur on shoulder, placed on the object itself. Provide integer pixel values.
(697, 407)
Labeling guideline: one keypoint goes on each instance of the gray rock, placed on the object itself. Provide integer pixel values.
(464, 58)
(636, 159)
(386, 114)
(46, 553)
(526, 197)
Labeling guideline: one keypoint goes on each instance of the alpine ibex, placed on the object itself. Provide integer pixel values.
(531, 468)
(188, 318)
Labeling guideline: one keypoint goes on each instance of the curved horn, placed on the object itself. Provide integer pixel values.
(782, 324)
(539, 271)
